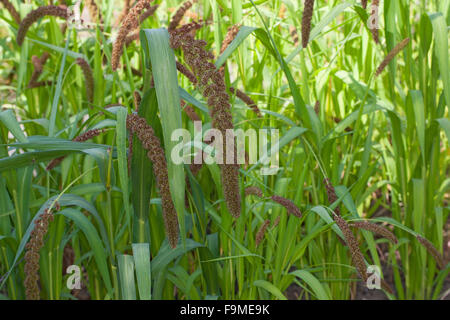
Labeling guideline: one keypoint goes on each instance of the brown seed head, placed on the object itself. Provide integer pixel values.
(253, 190)
(306, 21)
(178, 16)
(432, 250)
(12, 11)
(34, 15)
(375, 228)
(152, 144)
(231, 34)
(261, 232)
(88, 77)
(247, 100)
(288, 204)
(391, 55)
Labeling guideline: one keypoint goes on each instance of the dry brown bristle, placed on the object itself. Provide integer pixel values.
(12, 11)
(261, 232)
(34, 15)
(306, 21)
(247, 100)
(391, 55)
(432, 250)
(375, 228)
(139, 126)
(288, 204)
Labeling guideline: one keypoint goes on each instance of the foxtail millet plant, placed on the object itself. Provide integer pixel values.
(33, 16)
(306, 21)
(229, 37)
(38, 64)
(152, 144)
(247, 100)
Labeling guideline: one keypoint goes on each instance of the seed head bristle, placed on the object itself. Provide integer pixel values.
(432, 250)
(152, 144)
(212, 86)
(375, 228)
(229, 37)
(288, 204)
(294, 35)
(261, 232)
(374, 29)
(306, 21)
(12, 11)
(391, 55)
(33, 16)
(130, 23)
(178, 16)
(247, 100)
(253, 190)
(88, 77)
(34, 245)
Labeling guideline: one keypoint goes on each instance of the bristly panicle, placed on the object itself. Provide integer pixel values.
(357, 256)
(391, 55)
(89, 134)
(375, 228)
(331, 194)
(253, 190)
(34, 245)
(12, 11)
(247, 100)
(152, 144)
(33, 16)
(294, 35)
(149, 12)
(306, 21)
(186, 72)
(211, 84)
(433, 251)
(261, 232)
(124, 12)
(229, 37)
(288, 204)
(130, 23)
(88, 77)
(178, 16)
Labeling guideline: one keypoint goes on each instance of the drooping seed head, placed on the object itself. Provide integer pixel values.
(229, 37)
(288, 204)
(432, 250)
(33, 16)
(253, 190)
(261, 232)
(12, 11)
(391, 55)
(88, 77)
(247, 100)
(178, 16)
(375, 228)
